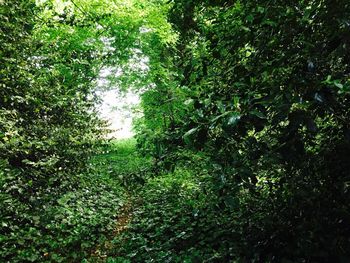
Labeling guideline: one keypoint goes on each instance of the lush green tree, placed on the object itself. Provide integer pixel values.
(265, 89)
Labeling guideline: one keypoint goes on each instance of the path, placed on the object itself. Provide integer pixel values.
(123, 164)
(100, 253)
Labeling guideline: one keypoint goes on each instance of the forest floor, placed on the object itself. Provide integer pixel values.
(160, 219)
(125, 166)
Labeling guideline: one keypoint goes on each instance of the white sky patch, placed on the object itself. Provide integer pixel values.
(117, 108)
(139, 62)
(103, 82)
(144, 30)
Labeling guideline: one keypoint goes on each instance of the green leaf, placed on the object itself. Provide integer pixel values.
(258, 114)
(338, 85)
(221, 116)
(231, 202)
(233, 119)
(190, 132)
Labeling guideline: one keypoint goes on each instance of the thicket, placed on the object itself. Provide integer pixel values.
(51, 208)
(245, 113)
(57, 199)
(262, 88)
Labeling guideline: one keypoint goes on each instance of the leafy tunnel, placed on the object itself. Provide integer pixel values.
(240, 141)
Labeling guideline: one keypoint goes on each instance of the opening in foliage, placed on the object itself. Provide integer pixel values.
(241, 137)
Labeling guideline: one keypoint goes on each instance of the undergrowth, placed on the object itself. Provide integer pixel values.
(175, 219)
(68, 226)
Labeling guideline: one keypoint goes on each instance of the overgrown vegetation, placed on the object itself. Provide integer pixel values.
(243, 145)
(261, 87)
(54, 206)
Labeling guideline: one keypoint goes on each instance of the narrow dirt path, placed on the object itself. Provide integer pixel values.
(100, 253)
(124, 165)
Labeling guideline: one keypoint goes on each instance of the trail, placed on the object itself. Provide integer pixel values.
(163, 218)
(124, 165)
(100, 253)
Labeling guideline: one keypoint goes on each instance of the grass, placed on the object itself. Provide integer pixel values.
(122, 162)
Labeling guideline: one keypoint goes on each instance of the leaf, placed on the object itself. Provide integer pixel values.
(258, 114)
(233, 119)
(250, 18)
(189, 133)
(231, 202)
(246, 29)
(318, 97)
(189, 102)
(338, 85)
(220, 116)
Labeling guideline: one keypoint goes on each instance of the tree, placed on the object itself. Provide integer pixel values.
(264, 89)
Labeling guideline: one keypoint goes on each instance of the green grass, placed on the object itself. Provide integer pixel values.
(121, 162)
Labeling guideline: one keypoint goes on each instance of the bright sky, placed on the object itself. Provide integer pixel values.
(117, 109)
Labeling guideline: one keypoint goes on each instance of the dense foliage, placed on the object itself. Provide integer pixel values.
(54, 206)
(48, 130)
(243, 142)
(262, 87)
(57, 199)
